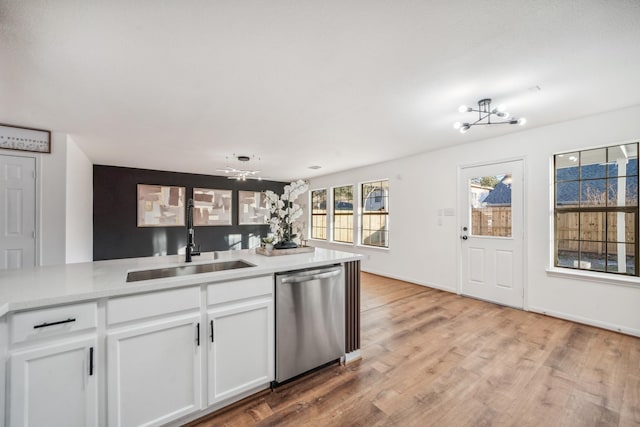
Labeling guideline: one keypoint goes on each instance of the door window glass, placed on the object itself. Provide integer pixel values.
(490, 205)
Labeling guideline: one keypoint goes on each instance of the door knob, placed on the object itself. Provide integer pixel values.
(464, 237)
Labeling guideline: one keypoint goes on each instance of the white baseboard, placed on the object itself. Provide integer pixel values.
(412, 280)
(552, 313)
(586, 321)
(352, 356)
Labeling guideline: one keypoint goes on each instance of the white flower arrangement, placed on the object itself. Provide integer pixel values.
(284, 211)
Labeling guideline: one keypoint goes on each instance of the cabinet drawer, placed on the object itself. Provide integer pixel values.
(239, 289)
(53, 321)
(161, 303)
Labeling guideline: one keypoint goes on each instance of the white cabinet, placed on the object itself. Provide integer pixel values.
(54, 384)
(166, 356)
(53, 322)
(4, 340)
(154, 371)
(159, 355)
(52, 372)
(241, 348)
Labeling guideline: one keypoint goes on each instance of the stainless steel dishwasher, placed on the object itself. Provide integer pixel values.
(309, 320)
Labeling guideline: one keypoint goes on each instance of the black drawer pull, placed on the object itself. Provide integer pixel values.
(91, 361)
(45, 324)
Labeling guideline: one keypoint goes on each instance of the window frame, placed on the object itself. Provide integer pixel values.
(333, 215)
(605, 210)
(325, 214)
(363, 214)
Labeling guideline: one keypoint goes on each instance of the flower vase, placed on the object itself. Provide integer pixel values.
(268, 247)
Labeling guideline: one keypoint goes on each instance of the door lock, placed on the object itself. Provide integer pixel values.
(464, 233)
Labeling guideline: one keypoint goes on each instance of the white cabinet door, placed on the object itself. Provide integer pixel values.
(154, 372)
(4, 340)
(54, 385)
(241, 348)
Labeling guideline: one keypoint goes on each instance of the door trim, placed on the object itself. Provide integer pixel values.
(525, 191)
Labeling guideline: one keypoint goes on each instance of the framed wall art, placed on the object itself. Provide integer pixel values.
(25, 139)
(160, 206)
(252, 208)
(211, 207)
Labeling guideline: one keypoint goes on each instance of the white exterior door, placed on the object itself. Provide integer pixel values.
(492, 233)
(17, 212)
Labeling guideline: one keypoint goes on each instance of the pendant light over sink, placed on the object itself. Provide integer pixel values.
(485, 113)
(240, 172)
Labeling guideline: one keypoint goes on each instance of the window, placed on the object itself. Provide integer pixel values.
(343, 214)
(319, 214)
(374, 229)
(490, 198)
(596, 209)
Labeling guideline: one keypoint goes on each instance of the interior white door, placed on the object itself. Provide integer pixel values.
(491, 232)
(17, 212)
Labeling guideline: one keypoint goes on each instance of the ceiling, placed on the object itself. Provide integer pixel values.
(183, 85)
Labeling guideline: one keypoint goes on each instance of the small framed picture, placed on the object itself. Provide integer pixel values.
(25, 139)
(252, 208)
(211, 207)
(160, 206)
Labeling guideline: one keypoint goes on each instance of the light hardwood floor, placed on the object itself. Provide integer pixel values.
(432, 358)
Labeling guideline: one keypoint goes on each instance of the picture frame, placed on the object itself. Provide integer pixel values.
(253, 208)
(161, 206)
(25, 139)
(212, 207)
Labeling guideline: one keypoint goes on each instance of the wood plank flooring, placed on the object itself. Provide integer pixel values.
(432, 358)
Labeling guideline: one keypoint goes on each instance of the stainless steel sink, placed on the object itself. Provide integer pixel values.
(185, 270)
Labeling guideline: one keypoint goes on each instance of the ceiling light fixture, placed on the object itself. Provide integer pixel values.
(239, 173)
(485, 112)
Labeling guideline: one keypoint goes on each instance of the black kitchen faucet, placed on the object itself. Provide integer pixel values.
(191, 246)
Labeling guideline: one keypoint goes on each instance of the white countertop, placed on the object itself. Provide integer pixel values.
(60, 284)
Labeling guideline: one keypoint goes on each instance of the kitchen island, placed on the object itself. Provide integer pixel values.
(148, 352)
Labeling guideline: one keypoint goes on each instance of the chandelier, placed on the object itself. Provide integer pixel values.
(239, 173)
(485, 114)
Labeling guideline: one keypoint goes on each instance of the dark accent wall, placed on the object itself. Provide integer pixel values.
(115, 231)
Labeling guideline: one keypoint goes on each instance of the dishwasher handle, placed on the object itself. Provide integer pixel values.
(306, 278)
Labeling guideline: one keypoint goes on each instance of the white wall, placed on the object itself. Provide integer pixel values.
(66, 203)
(52, 183)
(79, 203)
(424, 251)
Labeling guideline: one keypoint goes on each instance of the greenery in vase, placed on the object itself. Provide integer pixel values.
(284, 211)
